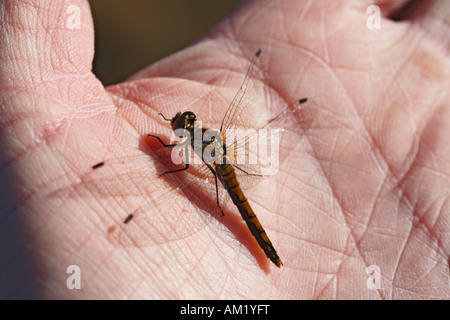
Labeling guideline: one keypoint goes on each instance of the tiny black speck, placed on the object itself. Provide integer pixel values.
(98, 165)
(128, 219)
(302, 100)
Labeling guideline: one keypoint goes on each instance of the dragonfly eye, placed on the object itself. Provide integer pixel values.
(189, 120)
(175, 120)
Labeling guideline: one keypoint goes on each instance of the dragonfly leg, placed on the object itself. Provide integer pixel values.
(217, 188)
(177, 170)
(172, 146)
(250, 174)
(167, 145)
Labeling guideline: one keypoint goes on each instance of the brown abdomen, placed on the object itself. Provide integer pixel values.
(227, 175)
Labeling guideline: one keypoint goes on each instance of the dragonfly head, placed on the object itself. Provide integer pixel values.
(184, 121)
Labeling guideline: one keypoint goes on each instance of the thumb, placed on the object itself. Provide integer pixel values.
(46, 53)
(46, 50)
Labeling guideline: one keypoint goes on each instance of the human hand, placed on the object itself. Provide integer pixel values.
(367, 186)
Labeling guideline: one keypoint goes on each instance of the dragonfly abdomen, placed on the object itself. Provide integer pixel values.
(230, 182)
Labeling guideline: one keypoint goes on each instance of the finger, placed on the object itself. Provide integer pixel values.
(42, 51)
(416, 10)
(287, 29)
(434, 17)
(47, 52)
(393, 9)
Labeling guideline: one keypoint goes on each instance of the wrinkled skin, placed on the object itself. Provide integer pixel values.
(366, 189)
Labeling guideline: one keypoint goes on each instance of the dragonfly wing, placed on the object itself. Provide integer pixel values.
(213, 187)
(195, 202)
(122, 176)
(237, 105)
(152, 208)
(172, 217)
(257, 154)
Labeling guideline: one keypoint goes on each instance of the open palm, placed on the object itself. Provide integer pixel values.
(360, 209)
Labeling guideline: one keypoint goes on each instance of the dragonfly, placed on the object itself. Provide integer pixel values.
(224, 173)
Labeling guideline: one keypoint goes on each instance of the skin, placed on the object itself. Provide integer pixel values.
(366, 186)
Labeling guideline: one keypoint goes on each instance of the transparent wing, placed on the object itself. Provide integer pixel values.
(154, 209)
(236, 106)
(258, 153)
